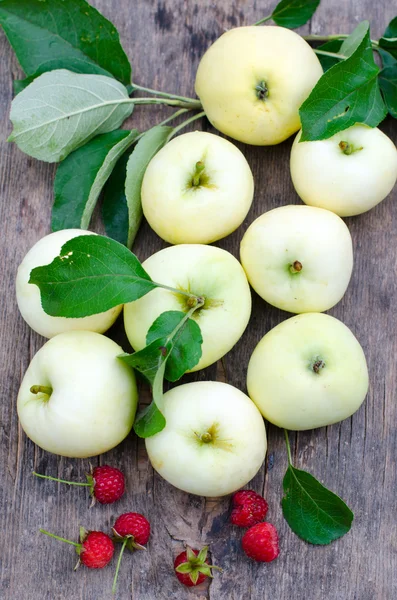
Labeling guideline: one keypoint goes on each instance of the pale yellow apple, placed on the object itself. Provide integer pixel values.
(308, 372)
(197, 189)
(298, 258)
(202, 270)
(252, 81)
(28, 295)
(87, 398)
(349, 173)
(214, 441)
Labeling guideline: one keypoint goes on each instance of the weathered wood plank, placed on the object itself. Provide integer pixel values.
(165, 40)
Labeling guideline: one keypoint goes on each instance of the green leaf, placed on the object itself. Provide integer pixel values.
(389, 38)
(294, 13)
(114, 204)
(81, 176)
(346, 94)
(186, 349)
(151, 363)
(58, 34)
(387, 59)
(352, 42)
(148, 360)
(91, 275)
(21, 84)
(150, 143)
(313, 512)
(388, 85)
(164, 344)
(329, 61)
(202, 556)
(184, 568)
(194, 575)
(60, 111)
(150, 420)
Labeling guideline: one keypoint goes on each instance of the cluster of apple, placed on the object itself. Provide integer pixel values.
(78, 400)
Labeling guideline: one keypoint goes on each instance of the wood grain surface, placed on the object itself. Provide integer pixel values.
(356, 458)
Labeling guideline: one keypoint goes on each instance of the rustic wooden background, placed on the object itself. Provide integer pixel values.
(356, 458)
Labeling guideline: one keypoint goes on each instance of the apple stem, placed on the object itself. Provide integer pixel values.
(192, 104)
(134, 87)
(331, 54)
(193, 301)
(348, 148)
(200, 166)
(296, 267)
(41, 389)
(61, 539)
(60, 480)
(268, 18)
(262, 91)
(175, 130)
(118, 565)
(327, 38)
(288, 446)
(318, 365)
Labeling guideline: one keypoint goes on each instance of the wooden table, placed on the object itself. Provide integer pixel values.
(355, 458)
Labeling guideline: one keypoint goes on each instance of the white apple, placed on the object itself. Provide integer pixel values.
(298, 258)
(349, 173)
(214, 440)
(205, 271)
(197, 189)
(87, 400)
(28, 295)
(309, 371)
(252, 81)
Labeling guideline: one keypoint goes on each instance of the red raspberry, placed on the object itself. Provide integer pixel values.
(108, 484)
(249, 508)
(134, 527)
(192, 567)
(133, 531)
(96, 550)
(260, 542)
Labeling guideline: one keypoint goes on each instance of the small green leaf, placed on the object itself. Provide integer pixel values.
(352, 42)
(91, 275)
(60, 111)
(148, 360)
(184, 568)
(202, 555)
(151, 420)
(114, 204)
(387, 59)
(190, 555)
(150, 143)
(152, 361)
(388, 85)
(21, 84)
(206, 570)
(294, 13)
(186, 349)
(346, 94)
(389, 39)
(82, 534)
(55, 34)
(81, 176)
(329, 61)
(313, 512)
(194, 575)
